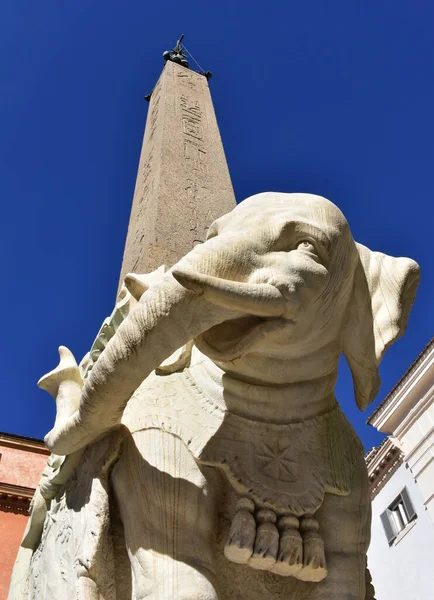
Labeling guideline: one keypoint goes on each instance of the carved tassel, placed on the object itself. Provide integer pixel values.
(239, 546)
(314, 563)
(290, 556)
(370, 591)
(267, 541)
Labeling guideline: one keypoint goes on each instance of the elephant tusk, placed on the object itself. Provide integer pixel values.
(259, 299)
(138, 284)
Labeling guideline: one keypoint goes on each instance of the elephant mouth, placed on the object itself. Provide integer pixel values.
(263, 306)
(235, 338)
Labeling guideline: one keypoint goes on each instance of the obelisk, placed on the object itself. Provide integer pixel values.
(183, 182)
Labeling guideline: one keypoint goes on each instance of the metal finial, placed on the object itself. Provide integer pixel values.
(177, 54)
(178, 47)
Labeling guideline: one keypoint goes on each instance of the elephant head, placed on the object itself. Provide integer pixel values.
(275, 294)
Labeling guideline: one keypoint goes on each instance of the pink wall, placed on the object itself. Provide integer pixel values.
(21, 464)
(20, 467)
(11, 531)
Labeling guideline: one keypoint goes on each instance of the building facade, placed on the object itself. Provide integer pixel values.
(21, 462)
(401, 472)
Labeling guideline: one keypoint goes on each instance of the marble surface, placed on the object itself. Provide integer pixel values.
(209, 458)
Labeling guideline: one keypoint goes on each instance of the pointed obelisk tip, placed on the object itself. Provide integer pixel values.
(182, 172)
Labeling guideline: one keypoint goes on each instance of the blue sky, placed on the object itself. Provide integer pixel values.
(334, 98)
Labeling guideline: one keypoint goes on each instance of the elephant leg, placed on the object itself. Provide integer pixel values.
(345, 525)
(168, 515)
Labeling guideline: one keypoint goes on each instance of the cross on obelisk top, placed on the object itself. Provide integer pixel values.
(183, 182)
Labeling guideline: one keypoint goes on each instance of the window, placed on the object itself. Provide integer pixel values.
(397, 516)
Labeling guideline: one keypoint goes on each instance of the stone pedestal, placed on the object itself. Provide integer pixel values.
(183, 181)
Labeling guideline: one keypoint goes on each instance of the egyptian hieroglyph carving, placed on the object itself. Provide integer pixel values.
(234, 472)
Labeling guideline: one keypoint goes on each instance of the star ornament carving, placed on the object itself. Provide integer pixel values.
(276, 459)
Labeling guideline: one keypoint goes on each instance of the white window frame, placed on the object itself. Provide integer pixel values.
(398, 516)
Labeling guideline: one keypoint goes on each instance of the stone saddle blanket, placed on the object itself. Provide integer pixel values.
(285, 467)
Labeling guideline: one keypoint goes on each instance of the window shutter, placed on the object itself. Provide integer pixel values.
(408, 506)
(387, 526)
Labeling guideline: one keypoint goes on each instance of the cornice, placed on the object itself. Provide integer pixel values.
(15, 498)
(414, 414)
(382, 462)
(404, 384)
(23, 443)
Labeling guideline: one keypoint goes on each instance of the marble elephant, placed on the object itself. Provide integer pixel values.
(235, 475)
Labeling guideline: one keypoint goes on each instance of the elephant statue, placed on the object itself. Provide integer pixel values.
(229, 471)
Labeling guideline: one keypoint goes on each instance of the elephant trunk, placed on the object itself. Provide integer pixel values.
(166, 317)
(171, 313)
(259, 299)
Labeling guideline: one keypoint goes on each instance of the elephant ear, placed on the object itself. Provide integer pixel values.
(384, 290)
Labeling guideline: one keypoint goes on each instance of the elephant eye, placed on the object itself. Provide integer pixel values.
(306, 246)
